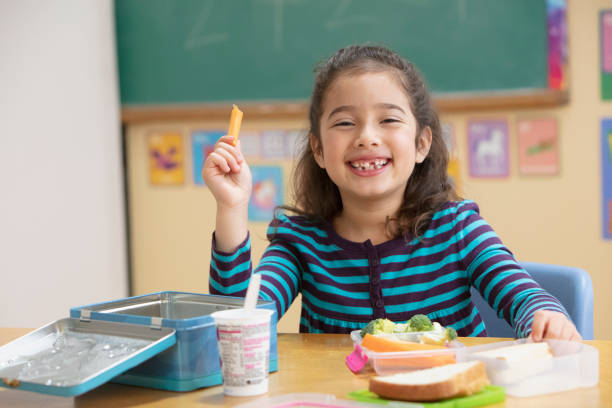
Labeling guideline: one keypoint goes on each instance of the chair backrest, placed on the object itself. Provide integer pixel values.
(572, 286)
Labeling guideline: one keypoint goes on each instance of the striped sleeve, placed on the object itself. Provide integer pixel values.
(230, 272)
(494, 272)
(279, 267)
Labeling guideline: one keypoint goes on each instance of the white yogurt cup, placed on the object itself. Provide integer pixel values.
(243, 337)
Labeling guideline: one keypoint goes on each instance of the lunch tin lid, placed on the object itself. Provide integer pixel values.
(177, 310)
(70, 356)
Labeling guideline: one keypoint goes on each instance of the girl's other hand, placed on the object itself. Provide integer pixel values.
(552, 325)
(227, 174)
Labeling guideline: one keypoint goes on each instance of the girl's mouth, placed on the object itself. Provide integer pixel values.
(366, 165)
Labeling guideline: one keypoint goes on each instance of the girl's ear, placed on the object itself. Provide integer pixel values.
(423, 144)
(317, 152)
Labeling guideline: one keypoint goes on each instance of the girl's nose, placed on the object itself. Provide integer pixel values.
(367, 137)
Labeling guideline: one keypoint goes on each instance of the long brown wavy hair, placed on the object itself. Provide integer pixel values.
(315, 195)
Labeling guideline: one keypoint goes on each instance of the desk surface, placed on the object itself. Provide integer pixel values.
(307, 363)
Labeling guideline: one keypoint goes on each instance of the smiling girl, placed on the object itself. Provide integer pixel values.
(376, 229)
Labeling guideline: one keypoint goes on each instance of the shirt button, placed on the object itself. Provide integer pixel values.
(375, 281)
(379, 303)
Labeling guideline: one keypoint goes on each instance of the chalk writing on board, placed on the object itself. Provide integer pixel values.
(278, 17)
(339, 18)
(198, 37)
(278, 24)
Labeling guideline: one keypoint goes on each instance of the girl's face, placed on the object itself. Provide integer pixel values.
(368, 135)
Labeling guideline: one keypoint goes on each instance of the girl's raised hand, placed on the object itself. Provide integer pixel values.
(227, 174)
(548, 324)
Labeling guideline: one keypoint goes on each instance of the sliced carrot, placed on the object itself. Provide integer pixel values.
(384, 344)
(234, 125)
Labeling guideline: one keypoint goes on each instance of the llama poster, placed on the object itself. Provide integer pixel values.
(488, 148)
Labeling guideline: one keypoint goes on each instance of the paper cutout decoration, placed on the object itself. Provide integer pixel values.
(488, 148)
(202, 144)
(605, 24)
(606, 176)
(267, 192)
(538, 146)
(166, 158)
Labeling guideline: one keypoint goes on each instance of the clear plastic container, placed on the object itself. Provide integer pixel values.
(385, 363)
(573, 365)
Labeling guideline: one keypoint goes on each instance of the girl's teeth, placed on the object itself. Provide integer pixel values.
(377, 164)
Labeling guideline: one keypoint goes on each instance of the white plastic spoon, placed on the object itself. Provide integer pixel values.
(250, 301)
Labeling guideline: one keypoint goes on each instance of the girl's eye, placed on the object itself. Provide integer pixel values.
(344, 123)
(390, 120)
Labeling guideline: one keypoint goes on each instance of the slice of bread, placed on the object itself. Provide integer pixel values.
(432, 384)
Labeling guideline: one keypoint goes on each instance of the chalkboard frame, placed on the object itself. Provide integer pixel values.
(447, 103)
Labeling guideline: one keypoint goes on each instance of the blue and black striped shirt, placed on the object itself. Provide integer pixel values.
(346, 284)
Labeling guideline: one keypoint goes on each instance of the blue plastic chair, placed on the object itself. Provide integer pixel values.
(572, 286)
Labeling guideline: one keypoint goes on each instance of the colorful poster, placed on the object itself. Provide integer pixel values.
(454, 169)
(273, 144)
(606, 176)
(488, 148)
(267, 192)
(166, 158)
(606, 53)
(202, 143)
(538, 146)
(557, 43)
(250, 144)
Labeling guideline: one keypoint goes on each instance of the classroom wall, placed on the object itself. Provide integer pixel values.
(62, 234)
(552, 219)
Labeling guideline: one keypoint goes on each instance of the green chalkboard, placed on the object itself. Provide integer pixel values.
(183, 51)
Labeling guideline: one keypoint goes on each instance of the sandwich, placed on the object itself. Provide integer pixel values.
(432, 384)
(513, 364)
(518, 353)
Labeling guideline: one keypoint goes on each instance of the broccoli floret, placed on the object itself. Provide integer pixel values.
(368, 329)
(401, 328)
(420, 322)
(378, 326)
(451, 334)
(386, 327)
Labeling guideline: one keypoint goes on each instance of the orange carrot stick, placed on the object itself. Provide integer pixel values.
(234, 125)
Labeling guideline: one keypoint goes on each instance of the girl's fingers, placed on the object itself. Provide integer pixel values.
(227, 143)
(229, 158)
(566, 332)
(576, 336)
(217, 160)
(554, 327)
(538, 327)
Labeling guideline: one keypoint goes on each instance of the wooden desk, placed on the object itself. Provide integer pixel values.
(307, 363)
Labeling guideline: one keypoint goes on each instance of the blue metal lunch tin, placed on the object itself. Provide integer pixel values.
(193, 362)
